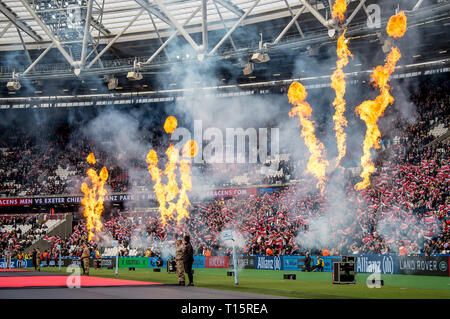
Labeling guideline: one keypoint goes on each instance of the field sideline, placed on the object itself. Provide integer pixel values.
(308, 285)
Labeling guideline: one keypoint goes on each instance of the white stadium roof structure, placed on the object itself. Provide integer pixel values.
(90, 36)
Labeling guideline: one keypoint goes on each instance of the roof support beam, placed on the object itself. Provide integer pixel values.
(350, 18)
(177, 25)
(86, 34)
(294, 19)
(172, 36)
(19, 24)
(224, 25)
(115, 39)
(152, 10)
(48, 32)
(24, 46)
(417, 5)
(234, 27)
(205, 25)
(230, 7)
(315, 13)
(5, 29)
(157, 33)
(39, 58)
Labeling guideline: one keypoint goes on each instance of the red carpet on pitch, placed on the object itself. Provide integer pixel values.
(65, 281)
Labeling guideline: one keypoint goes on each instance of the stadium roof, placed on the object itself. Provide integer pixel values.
(44, 39)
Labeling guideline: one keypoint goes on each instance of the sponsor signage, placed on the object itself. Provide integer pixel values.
(15, 263)
(423, 265)
(67, 261)
(142, 197)
(231, 192)
(268, 262)
(134, 262)
(216, 261)
(293, 263)
(107, 262)
(153, 262)
(199, 262)
(383, 264)
(244, 262)
(297, 262)
(66, 200)
(269, 190)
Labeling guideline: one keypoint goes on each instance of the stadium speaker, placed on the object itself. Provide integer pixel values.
(375, 282)
(134, 76)
(290, 276)
(113, 83)
(260, 58)
(13, 85)
(348, 259)
(344, 273)
(171, 266)
(248, 68)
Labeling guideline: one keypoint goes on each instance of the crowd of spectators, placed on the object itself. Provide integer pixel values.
(407, 204)
(17, 239)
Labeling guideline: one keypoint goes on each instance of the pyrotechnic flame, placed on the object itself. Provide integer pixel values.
(170, 125)
(370, 111)
(91, 158)
(94, 198)
(339, 85)
(165, 194)
(159, 189)
(190, 149)
(317, 161)
(339, 8)
(396, 26)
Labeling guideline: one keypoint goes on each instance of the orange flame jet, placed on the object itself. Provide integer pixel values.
(370, 111)
(317, 161)
(165, 194)
(170, 124)
(339, 8)
(94, 198)
(339, 85)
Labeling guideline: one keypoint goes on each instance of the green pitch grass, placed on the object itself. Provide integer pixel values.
(313, 285)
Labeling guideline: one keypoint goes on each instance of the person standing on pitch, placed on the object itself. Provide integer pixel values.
(180, 264)
(307, 266)
(188, 259)
(38, 260)
(85, 259)
(33, 259)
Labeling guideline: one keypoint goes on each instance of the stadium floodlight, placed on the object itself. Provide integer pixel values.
(134, 75)
(249, 67)
(260, 58)
(113, 83)
(331, 32)
(13, 85)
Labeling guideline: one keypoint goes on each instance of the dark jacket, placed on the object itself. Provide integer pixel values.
(188, 254)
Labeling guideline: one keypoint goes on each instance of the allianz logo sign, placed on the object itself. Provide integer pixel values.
(269, 263)
(383, 265)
